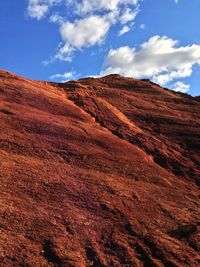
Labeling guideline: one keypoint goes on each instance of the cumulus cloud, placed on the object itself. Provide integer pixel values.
(85, 32)
(93, 26)
(90, 23)
(160, 59)
(82, 33)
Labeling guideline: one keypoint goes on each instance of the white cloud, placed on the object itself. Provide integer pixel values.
(64, 53)
(92, 27)
(91, 6)
(82, 33)
(56, 18)
(159, 59)
(128, 15)
(142, 26)
(124, 30)
(181, 87)
(63, 77)
(164, 79)
(38, 9)
(92, 21)
(85, 32)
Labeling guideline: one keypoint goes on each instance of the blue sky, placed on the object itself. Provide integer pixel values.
(60, 40)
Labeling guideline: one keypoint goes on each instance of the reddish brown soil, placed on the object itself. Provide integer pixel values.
(98, 172)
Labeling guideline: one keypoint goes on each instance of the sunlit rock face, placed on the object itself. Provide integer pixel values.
(98, 172)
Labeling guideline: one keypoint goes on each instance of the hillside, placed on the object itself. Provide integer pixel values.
(98, 172)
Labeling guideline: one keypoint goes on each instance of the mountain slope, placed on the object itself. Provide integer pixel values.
(98, 172)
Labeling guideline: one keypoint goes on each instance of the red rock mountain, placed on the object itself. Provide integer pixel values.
(98, 172)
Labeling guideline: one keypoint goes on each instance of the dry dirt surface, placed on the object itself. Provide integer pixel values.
(98, 172)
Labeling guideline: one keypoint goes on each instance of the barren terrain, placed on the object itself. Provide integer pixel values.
(98, 172)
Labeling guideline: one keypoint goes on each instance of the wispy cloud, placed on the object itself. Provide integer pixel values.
(64, 77)
(38, 9)
(124, 30)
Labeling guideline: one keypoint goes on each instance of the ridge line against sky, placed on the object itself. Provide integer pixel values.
(100, 37)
